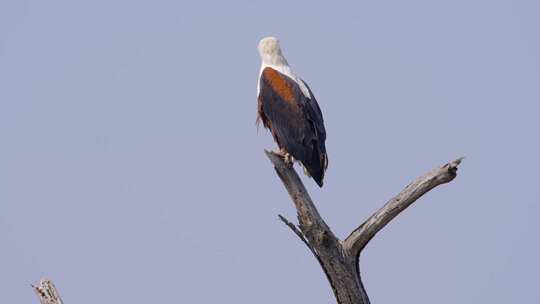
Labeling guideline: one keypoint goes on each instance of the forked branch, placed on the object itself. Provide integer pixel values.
(340, 259)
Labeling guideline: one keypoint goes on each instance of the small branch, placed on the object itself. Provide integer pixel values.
(47, 293)
(359, 238)
(305, 241)
(302, 238)
(297, 232)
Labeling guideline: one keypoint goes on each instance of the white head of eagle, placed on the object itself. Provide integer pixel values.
(270, 51)
(287, 107)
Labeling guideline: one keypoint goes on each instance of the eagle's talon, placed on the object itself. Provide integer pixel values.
(287, 157)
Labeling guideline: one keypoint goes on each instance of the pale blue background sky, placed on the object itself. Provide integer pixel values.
(131, 170)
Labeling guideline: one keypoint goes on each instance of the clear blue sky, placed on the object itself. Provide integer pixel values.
(131, 170)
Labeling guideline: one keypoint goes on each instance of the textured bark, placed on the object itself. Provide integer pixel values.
(340, 259)
(359, 238)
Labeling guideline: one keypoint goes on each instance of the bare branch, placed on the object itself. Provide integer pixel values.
(308, 216)
(359, 238)
(47, 293)
(340, 269)
(297, 232)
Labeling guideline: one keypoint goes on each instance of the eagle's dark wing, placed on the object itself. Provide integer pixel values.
(295, 121)
(318, 121)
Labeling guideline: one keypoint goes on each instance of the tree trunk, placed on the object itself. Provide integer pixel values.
(340, 259)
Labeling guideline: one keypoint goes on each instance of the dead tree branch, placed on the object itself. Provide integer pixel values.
(359, 238)
(47, 293)
(340, 259)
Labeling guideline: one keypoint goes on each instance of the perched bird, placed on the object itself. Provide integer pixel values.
(287, 107)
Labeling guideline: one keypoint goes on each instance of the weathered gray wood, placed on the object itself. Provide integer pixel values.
(47, 293)
(340, 259)
(359, 238)
(339, 267)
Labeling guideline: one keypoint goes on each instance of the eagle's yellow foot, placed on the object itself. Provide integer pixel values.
(287, 158)
(306, 172)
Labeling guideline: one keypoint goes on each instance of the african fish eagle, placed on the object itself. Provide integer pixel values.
(287, 107)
